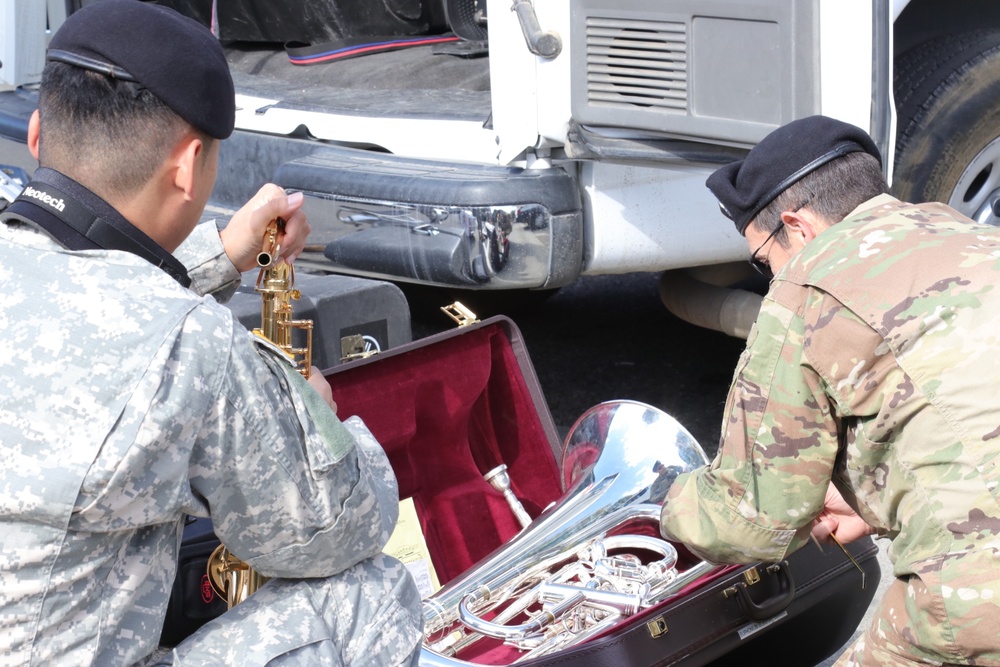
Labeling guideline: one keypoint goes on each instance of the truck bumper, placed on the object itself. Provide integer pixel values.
(383, 216)
(445, 224)
(16, 160)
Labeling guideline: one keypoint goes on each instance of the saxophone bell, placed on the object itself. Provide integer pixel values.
(232, 579)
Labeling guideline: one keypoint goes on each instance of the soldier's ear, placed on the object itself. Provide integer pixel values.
(185, 162)
(34, 133)
(802, 225)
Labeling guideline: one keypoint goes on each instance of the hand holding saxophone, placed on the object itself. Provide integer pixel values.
(322, 387)
(242, 236)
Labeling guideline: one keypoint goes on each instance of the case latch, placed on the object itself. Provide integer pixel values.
(750, 577)
(657, 627)
(357, 346)
(461, 315)
(778, 596)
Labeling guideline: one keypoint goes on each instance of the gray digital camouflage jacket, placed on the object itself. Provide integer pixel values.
(129, 402)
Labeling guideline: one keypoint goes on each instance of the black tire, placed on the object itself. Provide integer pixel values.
(948, 134)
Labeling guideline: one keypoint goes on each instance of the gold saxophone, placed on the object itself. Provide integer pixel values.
(230, 577)
(275, 283)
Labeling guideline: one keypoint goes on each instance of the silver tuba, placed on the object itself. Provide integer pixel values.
(555, 584)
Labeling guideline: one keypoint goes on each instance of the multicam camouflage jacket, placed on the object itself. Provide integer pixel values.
(129, 402)
(875, 362)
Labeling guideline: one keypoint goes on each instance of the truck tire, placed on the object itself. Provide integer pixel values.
(948, 138)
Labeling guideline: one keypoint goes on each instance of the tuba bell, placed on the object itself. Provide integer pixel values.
(558, 582)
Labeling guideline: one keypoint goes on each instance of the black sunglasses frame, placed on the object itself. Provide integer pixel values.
(760, 266)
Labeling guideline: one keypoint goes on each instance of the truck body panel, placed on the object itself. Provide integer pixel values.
(634, 104)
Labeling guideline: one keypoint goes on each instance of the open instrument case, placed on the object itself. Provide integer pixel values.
(451, 407)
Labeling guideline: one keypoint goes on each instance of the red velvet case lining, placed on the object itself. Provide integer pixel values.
(447, 413)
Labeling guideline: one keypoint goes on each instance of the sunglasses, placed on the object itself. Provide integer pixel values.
(760, 265)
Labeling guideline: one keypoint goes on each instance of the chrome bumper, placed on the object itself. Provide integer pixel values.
(439, 224)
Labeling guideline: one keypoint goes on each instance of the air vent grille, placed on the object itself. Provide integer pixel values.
(633, 63)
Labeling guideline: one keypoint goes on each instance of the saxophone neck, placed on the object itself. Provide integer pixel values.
(276, 285)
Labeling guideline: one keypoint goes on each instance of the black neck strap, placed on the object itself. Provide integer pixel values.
(78, 219)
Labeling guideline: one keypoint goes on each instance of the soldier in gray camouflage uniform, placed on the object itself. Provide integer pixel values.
(130, 400)
(874, 365)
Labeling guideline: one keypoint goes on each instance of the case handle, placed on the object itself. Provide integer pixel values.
(774, 604)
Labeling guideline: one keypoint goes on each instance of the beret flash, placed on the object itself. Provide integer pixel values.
(781, 159)
(176, 58)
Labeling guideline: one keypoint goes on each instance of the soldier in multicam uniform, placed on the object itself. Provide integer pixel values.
(866, 400)
(131, 401)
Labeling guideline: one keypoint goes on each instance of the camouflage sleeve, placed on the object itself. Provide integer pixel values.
(209, 268)
(757, 499)
(292, 491)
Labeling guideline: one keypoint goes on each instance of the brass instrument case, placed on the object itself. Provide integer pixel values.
(450, 407)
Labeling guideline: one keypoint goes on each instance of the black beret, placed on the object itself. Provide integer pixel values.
(781, 159)
(175, 57)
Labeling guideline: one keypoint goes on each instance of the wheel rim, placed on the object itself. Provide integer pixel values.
(977, 193)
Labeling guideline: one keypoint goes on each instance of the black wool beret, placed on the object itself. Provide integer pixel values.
(781, 159)
(174, 57)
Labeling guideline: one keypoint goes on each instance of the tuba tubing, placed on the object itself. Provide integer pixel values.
(619, 460)
(565, 596)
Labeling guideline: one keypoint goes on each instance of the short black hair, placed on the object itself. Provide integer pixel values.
(109, 134)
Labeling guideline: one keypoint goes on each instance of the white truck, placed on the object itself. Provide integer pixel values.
(561, 138)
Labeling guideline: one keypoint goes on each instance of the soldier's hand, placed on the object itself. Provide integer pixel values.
(243, 237)
(322, 387)
(838, 519)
